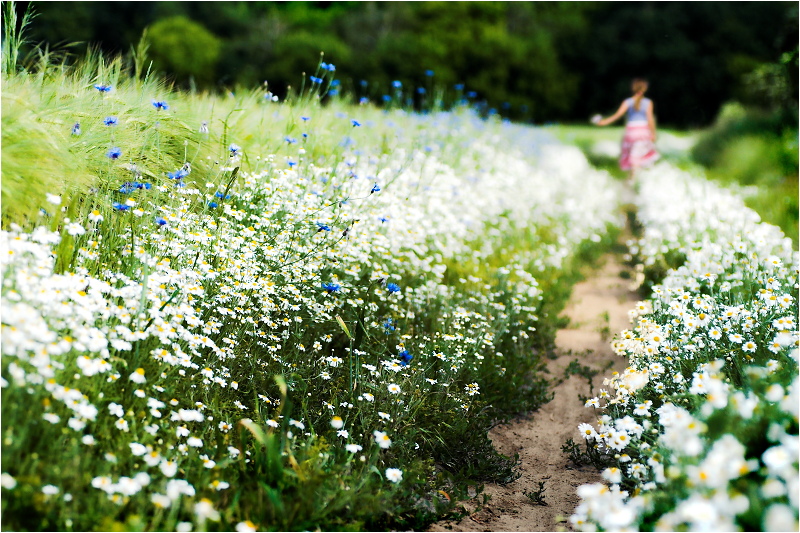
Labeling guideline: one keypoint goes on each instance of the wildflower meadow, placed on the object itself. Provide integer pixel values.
(239, 312)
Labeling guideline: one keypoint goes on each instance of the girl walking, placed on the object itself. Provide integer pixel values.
(638, 143)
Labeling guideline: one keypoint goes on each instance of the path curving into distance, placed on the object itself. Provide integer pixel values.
(597, 309)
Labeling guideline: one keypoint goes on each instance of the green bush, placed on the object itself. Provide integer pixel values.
(735, 121)
(757, 149)
(299, 52)
(184, 48)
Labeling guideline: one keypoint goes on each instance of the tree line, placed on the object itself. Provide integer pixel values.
(533, 61)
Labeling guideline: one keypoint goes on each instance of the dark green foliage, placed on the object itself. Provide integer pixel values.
(537, 496)
(705, 46)
(184, 48)
(539, 61)
(474, 459)
(298, 52)
(592, 456)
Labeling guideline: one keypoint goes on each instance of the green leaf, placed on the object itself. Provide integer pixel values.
(344, 327)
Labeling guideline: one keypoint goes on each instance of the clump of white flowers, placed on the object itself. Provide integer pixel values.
(713, 365)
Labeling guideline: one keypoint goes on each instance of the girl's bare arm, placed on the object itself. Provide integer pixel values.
(613, 118)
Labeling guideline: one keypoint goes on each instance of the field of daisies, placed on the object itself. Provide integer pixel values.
(700, 432)
(238, 313)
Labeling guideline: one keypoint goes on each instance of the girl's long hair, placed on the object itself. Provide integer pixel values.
(639, 87)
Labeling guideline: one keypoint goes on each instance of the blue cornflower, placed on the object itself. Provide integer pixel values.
(305, 119)
(76, 128)
(335, 83)
(375, 188)
(127, 187)
(160, 221)
(114, 153)
(429, 73)
(472, 94)
(363, 100)
(178, 174)
(383, 219)
(355, 123)
(405, 358)
(291, 163)
(305, 136)
(223, 196)
(389, 326)
(331, 287)
(328, 66)
(323, 227)
(103, 88)
(160, 104)
(110, 121)
(234, 149)
(421, 90)
(364, 83)
(290, 140)
(315, 79)
(212, 204)
(393, 287)
(458, 86)
(333, 92)
(120, 207)
(386, 98)
(397, 84)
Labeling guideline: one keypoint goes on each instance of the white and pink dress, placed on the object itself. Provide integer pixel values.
(638, 148)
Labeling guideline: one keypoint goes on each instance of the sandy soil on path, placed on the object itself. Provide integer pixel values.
(598, 306)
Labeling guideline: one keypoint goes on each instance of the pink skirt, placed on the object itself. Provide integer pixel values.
(638, 149)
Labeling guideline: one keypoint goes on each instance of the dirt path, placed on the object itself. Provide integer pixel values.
(598, 307)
